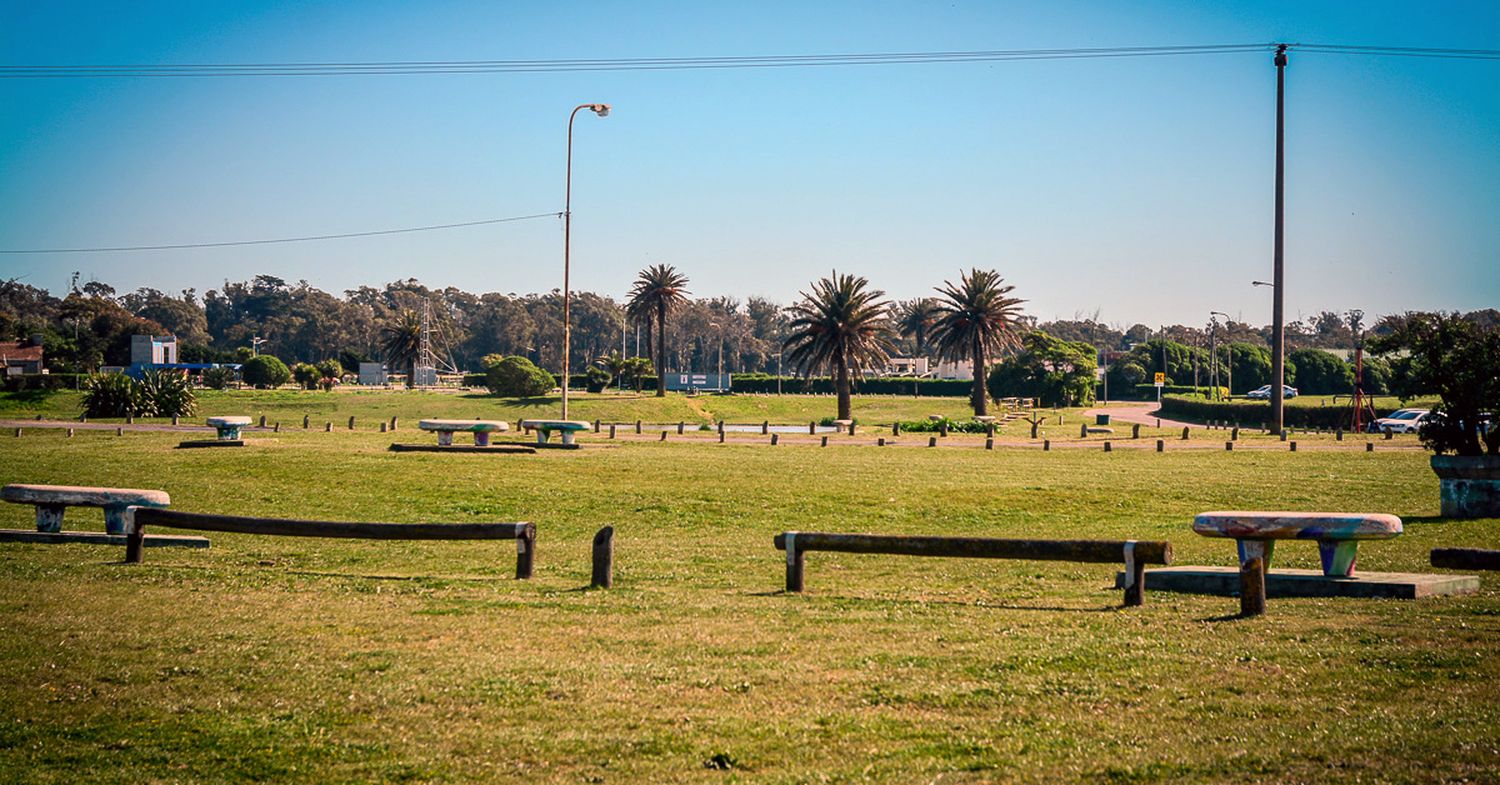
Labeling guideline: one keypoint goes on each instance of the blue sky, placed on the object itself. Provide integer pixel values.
(1139, 188)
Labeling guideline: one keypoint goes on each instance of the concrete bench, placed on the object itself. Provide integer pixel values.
(52, 500)
(1337, 533)
(544, 429)
(1135, 555)
(480, 428)
(228, 427)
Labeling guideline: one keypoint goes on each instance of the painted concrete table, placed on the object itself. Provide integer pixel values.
(544, 429)
(228, 427)
(52, 500)
(1337, 533)
(480, 428)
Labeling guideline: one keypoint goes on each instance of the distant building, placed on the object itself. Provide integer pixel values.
(25, 356)
(959, 370)
(153, 350)
(372, 374)
(907, 366)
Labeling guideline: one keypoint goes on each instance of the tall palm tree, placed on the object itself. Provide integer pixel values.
(401, 341)
(841, 325)
(658, 289)
(976, 319)
(914, 320)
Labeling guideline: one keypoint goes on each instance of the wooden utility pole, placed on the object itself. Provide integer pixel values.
(1278, 324)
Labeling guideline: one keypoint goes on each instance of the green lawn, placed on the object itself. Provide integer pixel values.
(321, 661)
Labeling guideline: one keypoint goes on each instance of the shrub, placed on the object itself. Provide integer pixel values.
(218, 378)
(1459, 359)
(1258, 413)
(265, 371)
(307, 375)
(165, 393)
(331, 369)
(110, 395)
(597, 379)
(517, 377)
(954, 426)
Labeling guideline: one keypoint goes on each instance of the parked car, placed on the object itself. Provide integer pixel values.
(1263, 392)
(1401, 421)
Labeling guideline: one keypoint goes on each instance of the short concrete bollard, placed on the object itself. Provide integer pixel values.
(393, 422)
(1160, 445)
(680, 426)
(1389, 434)
(1046, 445)
(129, 419)
(943, 429)
(1234, 435)
(851, 427)
(637, 426)
(1369, 446)
(262, 421)
(896, 428)
(306, 421)
(596, 426)
(825, 442)
(775, 439)
(174, 421)
(611, 430)
(70, 433)
(1283, 435)
(1184, 433)
(603, 576)
(765, 427)
(327, 427)
(931, 440)
(721, 430)
(1107, 447)
(18, 433)
(812, 428)
(382, 426)
(1293, 446)
(663, 436)
(1338, 434)
(989, 444)
(1228, 446)
(119, 431)
(1135, 431)
(351, 422)
(1083, 430)
(880, 442)
(277, 428)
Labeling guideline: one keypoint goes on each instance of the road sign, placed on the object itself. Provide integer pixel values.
(1161, 379)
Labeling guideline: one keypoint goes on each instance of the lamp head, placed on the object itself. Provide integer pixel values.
(600, 109)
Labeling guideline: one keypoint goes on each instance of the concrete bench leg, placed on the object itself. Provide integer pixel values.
(481, 439)
(1338, 557)
(541, 436)
(445, 438)
(229, 433)
(1256, 549)
(49, 517)
(567, 436)
(115, 520)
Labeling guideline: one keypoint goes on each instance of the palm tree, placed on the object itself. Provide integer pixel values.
(840, 325)
(401, 340)
(657, 290)
(615, 364)
(914, 320)
(975, 319)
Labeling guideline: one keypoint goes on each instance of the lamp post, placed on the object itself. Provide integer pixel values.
(778, 373)
(255, 342)
(719, 382)
(1278, 324)
(603, 111)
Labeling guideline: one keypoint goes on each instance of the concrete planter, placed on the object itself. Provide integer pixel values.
(1470, 485)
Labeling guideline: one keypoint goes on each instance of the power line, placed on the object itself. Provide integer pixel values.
(389, 67)
(343, 236)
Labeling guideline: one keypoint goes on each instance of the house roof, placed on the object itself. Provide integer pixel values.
(19, 352)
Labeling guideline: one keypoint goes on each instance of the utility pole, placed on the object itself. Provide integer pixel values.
(1278, 326)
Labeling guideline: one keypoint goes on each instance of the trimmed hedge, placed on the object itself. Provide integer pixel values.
(823, 385)
(44, 381)
(1258, 413)
(1147, 392)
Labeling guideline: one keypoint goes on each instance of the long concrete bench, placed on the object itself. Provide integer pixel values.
(545, 428)
(480, 428)
(140, 517)
(228, 427)
(1134, 554)
(1338, 535)
(52, 500)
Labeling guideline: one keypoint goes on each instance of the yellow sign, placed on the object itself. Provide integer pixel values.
(1161, 379)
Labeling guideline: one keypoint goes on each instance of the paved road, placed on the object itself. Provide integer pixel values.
(1141, 413)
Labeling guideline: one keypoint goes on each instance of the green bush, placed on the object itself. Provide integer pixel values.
(823, 385)
(1257, 413)
(44, 381)
(165, 393)
(307, 375)
(218, 378)
(330, 369)
(597, 379)
(265, 371)
(110, 395)
(954, 426)
(517, 377)
(1147, 392)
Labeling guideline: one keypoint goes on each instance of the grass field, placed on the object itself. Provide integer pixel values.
(323, 661)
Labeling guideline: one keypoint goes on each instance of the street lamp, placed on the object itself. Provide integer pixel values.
(603, 111)
(1214, 354)
(255, 343)
(719, 382)
(778, 373)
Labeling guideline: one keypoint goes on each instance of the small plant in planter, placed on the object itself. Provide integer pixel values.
(1458, 359)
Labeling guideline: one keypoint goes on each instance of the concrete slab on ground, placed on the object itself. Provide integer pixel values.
(492, 449)
(1225, 582)
(100, 538)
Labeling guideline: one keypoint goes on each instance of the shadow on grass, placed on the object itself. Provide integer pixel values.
(270, 569)
(951, 603)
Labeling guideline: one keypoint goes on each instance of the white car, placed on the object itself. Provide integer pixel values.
(1263, 392)
(1401, 421)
